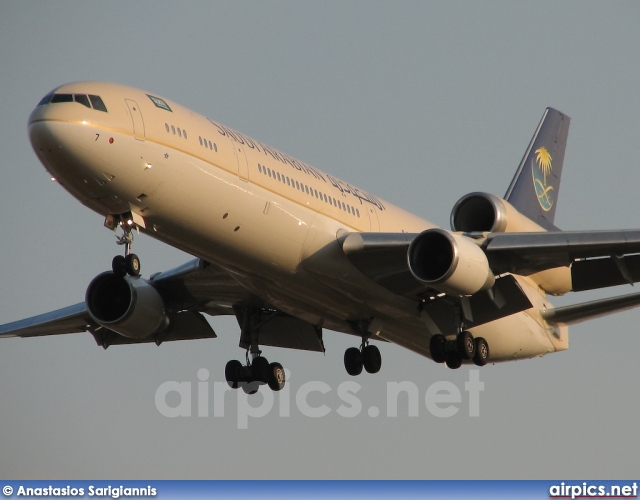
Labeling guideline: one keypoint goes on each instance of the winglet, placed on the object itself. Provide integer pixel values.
(535, 187)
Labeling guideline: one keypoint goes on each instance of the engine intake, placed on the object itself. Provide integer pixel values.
(129, 306)
(484, 212)
(450, 263)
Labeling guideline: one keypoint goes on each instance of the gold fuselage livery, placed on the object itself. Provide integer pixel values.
(295, 242)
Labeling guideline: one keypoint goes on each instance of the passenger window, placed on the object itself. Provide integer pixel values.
(97, 103)
(173, 130)
(184, 133)
(179, 132)
(166, 126)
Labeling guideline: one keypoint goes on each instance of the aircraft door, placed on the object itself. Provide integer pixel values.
(373, 219)
(243, 167)
(136, 119)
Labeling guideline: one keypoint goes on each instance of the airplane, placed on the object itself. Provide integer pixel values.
(290, 250)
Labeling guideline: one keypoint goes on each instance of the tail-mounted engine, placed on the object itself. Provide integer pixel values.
(484, 212)
(450, 263)
(129, 306)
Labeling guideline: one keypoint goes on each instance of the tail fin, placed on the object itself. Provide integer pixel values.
(535, 187)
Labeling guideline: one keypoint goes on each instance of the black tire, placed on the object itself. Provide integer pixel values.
(260, 370)
(250, 387)
(276, 377)
(119, 266)
(371, 359)
(132, 264)
(466, 345)
(353, 361)
(454, 360)
(481, 357)
(437, 348)
(232, 373)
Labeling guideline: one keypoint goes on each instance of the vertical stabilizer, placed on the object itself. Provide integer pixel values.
(535, 187)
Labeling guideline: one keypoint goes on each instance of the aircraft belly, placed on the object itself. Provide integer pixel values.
(515, 337)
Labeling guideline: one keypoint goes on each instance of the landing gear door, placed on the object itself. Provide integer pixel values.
(136, 118)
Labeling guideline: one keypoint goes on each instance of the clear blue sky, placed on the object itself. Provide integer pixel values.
(416, 102)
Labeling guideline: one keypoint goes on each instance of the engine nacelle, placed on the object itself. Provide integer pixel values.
(484, 212)
(450, 263)
(128, 306)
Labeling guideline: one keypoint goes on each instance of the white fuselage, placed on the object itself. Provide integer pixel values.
(270, 220)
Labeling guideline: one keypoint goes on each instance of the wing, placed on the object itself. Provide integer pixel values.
(596, 259)
(192, 289)
(188, 291)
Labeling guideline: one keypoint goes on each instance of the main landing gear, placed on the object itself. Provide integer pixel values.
(254, 374)
(463, 347)
(257, 370)
(129, 263)
(367, 356)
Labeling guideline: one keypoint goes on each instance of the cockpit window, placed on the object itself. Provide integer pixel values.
(45, 99)
(61, 98)
(90, 101)
(97, 103)
(82, 99)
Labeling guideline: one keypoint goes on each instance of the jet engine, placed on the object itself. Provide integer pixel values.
(129, 306)
(484, 212)
(450, 263)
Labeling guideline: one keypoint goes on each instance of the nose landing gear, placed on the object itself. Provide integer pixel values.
(129, 263)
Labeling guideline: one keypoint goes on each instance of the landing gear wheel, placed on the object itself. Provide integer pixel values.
(232, 373)
(481, 357)
(437, 348)
(119, 266)
(260, 370)
(466, 345)
(276, 377)
(454, 360)
(250, 387)
(371, 359)
(353, 361)
(132, 263)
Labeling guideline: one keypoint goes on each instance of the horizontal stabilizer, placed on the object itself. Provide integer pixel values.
(590, 310)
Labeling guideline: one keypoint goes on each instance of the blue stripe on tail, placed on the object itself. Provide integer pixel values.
(535, 187)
